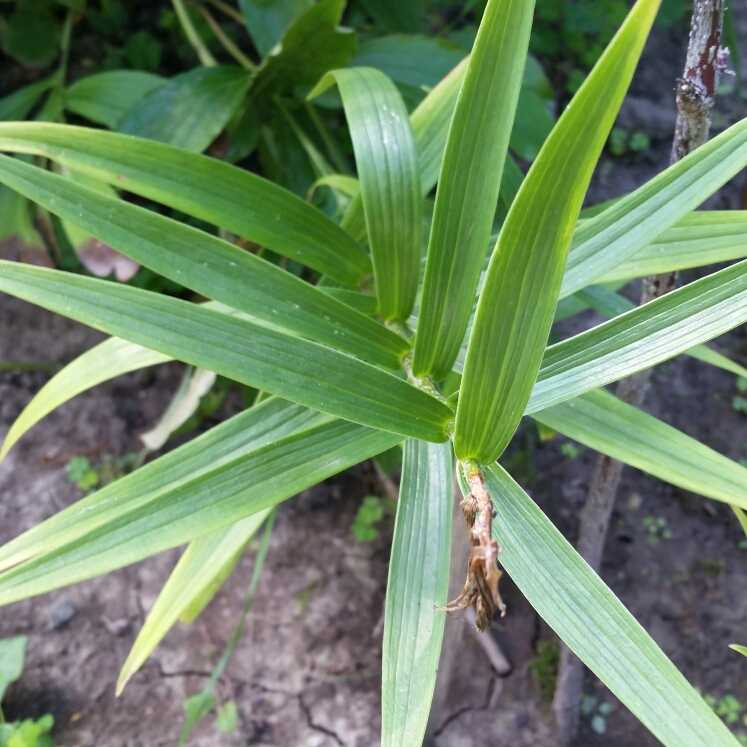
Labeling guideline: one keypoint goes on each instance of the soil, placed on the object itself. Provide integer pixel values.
(307, 669)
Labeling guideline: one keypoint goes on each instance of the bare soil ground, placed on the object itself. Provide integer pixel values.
(307, 670)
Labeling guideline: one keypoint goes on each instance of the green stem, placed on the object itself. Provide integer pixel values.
(67, 32)
(334, 152)
(203, 53)
(17, 366)
(229, 11)
(225, 40)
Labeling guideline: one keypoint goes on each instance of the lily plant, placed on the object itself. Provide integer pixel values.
(441, 349)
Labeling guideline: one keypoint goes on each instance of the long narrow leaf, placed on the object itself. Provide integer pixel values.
(418, 582)
(207, 264)
(698, 239)
(583, 611)
(469, 181)
(629, 224)
(203, 187)
(297, 369)
(152, 520)
(611, 304)
(201, 570)
(602, 422)
(518, 300)
(110, 358)
(389, 182)
(643, 337)
(259, 426)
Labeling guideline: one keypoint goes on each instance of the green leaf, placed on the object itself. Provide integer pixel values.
(395, 15)
(19, 239)
(602, 422)
(583, 611)
(234, 471)
(267, 20)
(209, 265)
(532, 125)
(294, 368)
(517, 303)
(202, 569)
(413, 60)
(697, 239)
(19, 103)
(251, 430)
(198, 706)
(469, 182)
(12, 658)
(632, 222)
(430, 125)
(311, 46)
(107, 360)
(106, 97)
(191, 109)
(203, 187)
(642, 337)
(607, 302)
(740, 649)
(386, 158)
(227, 718)
(418, 583)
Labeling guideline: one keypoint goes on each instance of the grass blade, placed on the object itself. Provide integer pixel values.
(642, 337)
(107, 360)
(602, 422)
(203, 187)
(297, 369)
(200, 572)
(605, 241)
(468, 186)
(387, 165)
(209, 265)
(418, 582)
(518, 300)
(99, 534)
(583, 611)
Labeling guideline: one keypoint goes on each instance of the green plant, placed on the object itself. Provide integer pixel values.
(597, 712)
(348, 379)
(370, 513)
(26, 733)
(544, 667)
(656, 529)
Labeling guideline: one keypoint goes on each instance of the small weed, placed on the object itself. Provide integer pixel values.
(544, 668)
(739, 403)
(569, 450)
(370, 513)
(741, 384)
(728, 707)
(597, 711)
(656, 529)
(713, 568)
(621, 141)
(87, 477)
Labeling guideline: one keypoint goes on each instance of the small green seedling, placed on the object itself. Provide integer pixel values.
(87, 477)
(27, 733)
(370, 513)
(739, 403)
(569, 450)
(728, 707)
(597, 711)
(656, 529)
(544, 667)
(621, 141)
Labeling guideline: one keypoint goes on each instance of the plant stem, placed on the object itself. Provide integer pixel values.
(696, 92)
(225, 40)
(203, 53)
(228, 10)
